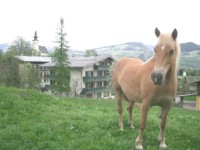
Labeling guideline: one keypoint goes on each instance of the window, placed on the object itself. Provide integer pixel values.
(100, 73)
(106, 73)
(89, 73)
(99, 84)
(105, 83)
(98, 95)
(89, 85)
(103, 63)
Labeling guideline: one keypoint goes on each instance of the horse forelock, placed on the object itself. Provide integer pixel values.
(167, 39)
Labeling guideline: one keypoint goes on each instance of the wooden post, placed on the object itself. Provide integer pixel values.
(198, 96)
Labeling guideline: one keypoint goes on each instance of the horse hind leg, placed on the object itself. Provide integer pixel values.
(130, 109)
(118, 97)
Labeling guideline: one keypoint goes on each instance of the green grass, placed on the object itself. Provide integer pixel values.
(190, 98)
(34, 121)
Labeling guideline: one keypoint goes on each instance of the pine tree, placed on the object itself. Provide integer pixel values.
(61, 72)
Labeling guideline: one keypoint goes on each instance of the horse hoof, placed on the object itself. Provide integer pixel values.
(139, 147)
(162, 146)
(138, 144)
(132, 127)
(121, 129)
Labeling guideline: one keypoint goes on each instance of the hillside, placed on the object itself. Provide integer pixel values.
(190, 57)
(32, 120)
(189, 46)
(190, 60)
(129, 49)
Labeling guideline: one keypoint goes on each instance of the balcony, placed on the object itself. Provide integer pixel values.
(103, 67)
(47, 76)
(93, 79)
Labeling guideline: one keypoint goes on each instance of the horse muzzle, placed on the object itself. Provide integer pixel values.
(157, 78)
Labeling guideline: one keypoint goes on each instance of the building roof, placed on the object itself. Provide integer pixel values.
(43, 49)
(80, 62)
(76, 62)
(34, 59)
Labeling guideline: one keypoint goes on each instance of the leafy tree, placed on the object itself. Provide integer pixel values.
(21, 47)
(15, 74)
(10, 71)
(29, 76)
(61, 72)
(90, 52)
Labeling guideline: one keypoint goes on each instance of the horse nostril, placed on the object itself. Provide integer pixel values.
(159, 76)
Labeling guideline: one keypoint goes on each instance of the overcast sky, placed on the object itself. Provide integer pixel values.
(95, 23)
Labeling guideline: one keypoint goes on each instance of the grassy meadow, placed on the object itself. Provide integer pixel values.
(31, 120)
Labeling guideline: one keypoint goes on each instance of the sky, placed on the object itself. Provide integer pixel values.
(96, 23)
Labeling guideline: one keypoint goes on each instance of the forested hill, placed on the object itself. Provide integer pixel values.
(189, 46)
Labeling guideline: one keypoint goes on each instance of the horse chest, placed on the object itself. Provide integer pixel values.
(162, 97)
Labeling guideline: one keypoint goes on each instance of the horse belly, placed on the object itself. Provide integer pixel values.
(125, 76)
(131, 87)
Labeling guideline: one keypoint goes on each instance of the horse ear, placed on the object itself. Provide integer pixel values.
(174, 34)
(157, 32)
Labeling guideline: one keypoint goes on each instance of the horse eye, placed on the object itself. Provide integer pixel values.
(154, 50)
(171, 52)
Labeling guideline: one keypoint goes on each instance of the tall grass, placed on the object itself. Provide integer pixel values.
(34, 121)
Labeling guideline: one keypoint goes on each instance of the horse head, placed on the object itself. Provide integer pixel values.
(166, 56)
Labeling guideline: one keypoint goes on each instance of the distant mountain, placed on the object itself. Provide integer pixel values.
(189, 46)
(129, 49)
(127, 46)
(137, 49)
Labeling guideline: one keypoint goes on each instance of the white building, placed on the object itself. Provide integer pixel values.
(89, 76)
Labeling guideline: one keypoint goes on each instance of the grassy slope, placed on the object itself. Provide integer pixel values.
(31, 120)
(190, 61)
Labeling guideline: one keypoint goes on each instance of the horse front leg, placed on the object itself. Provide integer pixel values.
(143, 117)
(161, 137)
(130, 109)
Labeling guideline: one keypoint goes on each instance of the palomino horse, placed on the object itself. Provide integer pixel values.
(153, 82)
